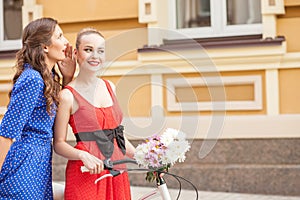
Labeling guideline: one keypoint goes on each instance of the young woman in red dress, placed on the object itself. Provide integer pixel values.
(89, 105)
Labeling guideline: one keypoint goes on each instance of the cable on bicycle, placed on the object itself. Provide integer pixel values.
(170, 174)
(179, 177)
(179, 182)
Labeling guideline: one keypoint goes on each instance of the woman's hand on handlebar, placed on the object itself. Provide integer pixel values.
(92, 163)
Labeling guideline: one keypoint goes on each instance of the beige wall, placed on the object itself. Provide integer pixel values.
(112, 31)
(70, 11)
(289, 91)
(116, 18)
(288, 26)
(110, 17)
(134, 94)
(291, 2)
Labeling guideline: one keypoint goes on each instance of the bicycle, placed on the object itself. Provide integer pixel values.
(161, 184)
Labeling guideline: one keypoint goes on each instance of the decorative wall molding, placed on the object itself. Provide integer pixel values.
(7, 63)
(272, 91)
(174, 105)
(290, 60)
(215, 127)
(272, 7)
(204, 127)
(148, 64)
(147, 11)
(31, 11)
(5, 87)
(219, 127)
(269, 26)
(272, 2)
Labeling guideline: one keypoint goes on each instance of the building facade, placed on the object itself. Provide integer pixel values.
(224, 72)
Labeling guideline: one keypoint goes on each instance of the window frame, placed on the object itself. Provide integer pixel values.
(6, 45)
(218, 28)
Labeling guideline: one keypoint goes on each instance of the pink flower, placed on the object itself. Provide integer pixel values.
(161, 152)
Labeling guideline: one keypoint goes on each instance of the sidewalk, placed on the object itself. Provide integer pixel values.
(137, 192)
(190, 195)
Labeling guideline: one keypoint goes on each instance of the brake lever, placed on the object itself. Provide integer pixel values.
(108, 164)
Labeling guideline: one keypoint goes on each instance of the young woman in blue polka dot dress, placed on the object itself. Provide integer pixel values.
(26, 129)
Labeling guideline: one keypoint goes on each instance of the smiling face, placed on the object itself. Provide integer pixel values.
(56, 51)
(91, 52)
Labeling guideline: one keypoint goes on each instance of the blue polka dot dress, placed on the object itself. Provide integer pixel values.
(27, 170)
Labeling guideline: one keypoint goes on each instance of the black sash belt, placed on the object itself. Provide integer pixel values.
(105, 139)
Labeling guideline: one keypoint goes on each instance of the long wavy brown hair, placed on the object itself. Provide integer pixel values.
(36, 35)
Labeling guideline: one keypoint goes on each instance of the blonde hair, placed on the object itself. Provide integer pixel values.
(86, 31)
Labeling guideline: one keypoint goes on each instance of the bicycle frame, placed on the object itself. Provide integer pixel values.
(163, 189)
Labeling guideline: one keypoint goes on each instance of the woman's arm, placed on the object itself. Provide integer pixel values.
(23, 100)
(130, 149)
(61, 147)
(5, 144)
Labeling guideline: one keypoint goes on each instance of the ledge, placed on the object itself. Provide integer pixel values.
(206, 43)
(11, 54)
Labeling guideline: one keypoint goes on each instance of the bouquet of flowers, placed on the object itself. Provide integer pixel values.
(160, 152)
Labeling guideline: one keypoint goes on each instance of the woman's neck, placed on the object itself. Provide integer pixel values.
(87, 79)
(49, 64)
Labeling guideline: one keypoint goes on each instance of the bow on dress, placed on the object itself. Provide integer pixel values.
(105, 139)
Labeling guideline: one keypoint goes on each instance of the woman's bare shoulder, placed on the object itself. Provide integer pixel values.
(66, 96)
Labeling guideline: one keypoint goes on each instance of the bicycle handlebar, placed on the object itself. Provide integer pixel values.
(109, 165)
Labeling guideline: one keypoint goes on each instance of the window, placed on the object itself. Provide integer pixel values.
(216, 18)
(10, 24)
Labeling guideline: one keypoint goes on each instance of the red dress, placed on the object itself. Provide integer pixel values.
(82, 185)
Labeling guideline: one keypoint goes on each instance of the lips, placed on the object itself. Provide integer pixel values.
(94, 63)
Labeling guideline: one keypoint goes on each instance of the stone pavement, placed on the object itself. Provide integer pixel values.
(137, 192)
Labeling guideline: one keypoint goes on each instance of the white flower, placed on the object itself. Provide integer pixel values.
(139, 156)
(181, 158)
(166, 149)
(180, 136)
(144, 147)
(176, 151)
(165, 160)
(166, 139)
(168, 136)
(171, 157)
(179, 146)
